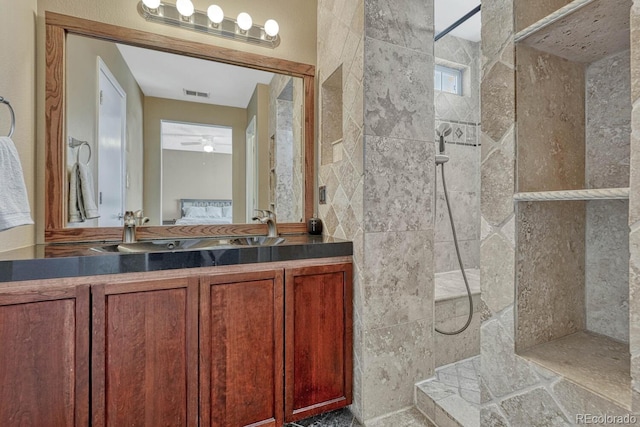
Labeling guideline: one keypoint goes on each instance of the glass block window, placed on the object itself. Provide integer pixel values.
(448, 80)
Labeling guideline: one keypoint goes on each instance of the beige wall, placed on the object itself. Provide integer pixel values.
(297, 21)
(193, 175)
(82, 109)
(259, 106)
(17, 84)
(155, 110)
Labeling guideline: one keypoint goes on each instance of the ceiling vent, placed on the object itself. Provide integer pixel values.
(189, 92)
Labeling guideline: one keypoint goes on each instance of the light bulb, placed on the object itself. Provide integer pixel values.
(244, 21)
(151, 4)
(185, 7)
(271, 27)
(208, 148)
(215, 14)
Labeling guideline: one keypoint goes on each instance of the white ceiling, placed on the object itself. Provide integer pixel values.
(449, 11)
(165, 75)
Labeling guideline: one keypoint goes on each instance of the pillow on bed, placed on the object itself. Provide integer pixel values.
(227, 211)
(214, 211)
(195, 212)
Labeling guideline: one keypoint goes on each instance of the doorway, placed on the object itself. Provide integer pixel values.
(112, 125)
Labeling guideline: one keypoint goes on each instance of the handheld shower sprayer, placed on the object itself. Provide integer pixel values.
(443, 130)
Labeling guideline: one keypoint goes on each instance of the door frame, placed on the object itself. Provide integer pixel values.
(251, 168)
(102, 68)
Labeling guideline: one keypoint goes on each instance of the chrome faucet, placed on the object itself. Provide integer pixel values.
(269, 218)
(129, 231)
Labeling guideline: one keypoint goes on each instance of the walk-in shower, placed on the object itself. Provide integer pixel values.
(457, 190)
(443, 131)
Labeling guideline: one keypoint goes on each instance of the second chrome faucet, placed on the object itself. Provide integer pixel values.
(267, 217)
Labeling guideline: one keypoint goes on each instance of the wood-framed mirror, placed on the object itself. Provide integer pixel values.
(57, 219)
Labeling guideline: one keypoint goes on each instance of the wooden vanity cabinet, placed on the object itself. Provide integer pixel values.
(44, 356)
(238, 346)
(318, 339)
(145, 353)
(241, 349)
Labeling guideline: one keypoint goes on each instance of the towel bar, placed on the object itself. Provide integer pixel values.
(13, 115)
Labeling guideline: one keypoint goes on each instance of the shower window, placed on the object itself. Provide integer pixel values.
(448, 80)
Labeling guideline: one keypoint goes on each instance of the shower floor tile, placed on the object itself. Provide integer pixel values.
(452, 396)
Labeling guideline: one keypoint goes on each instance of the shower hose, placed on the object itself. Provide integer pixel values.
(464, 275)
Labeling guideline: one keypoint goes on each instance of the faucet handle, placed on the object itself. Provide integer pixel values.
(270, 214)
(259, 215)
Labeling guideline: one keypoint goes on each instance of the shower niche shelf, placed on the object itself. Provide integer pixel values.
(572, 292)
(588, 194)
(573, 149)
(591, 360)
(582, 31)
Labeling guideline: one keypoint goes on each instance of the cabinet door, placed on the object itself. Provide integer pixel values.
(241, 367)
(318, 342)
(44, 357)
(145, 353)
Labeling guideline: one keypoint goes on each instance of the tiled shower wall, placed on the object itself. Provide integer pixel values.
(607, 133)
(287, 129)
(383, 201)
(514, 391)
(462, 172)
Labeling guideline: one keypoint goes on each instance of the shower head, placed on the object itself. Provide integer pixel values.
(443, 130)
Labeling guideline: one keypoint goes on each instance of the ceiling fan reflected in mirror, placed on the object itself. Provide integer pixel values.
(196, 137)
(207, 144)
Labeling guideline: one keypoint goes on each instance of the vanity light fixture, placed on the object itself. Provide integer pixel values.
(151, 4)
(184, 15)
(185, 8)
(244, 21)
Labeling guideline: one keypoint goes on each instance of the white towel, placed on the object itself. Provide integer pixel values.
(14, 204)
(82, 204)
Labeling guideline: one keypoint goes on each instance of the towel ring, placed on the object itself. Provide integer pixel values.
(13, 115)
(76, 143)
(84, 144)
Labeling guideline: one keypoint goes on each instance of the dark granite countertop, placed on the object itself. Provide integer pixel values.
(40, 262)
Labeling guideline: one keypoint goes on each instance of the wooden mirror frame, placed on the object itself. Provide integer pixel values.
(57, 28)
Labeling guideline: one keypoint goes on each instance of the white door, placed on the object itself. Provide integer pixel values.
(112, 112)
(252, 169)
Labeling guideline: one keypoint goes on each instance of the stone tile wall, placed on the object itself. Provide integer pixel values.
(514, 391)
(340, 44)
(634, 209)
(553, 87)
(450, 315)
(608, 130)
(462, 172)
(398, 202)
(286, 123)
(383, 201)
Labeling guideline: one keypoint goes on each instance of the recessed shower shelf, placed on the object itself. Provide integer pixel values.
(595, 362)
(590, 194)
(582, 31)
